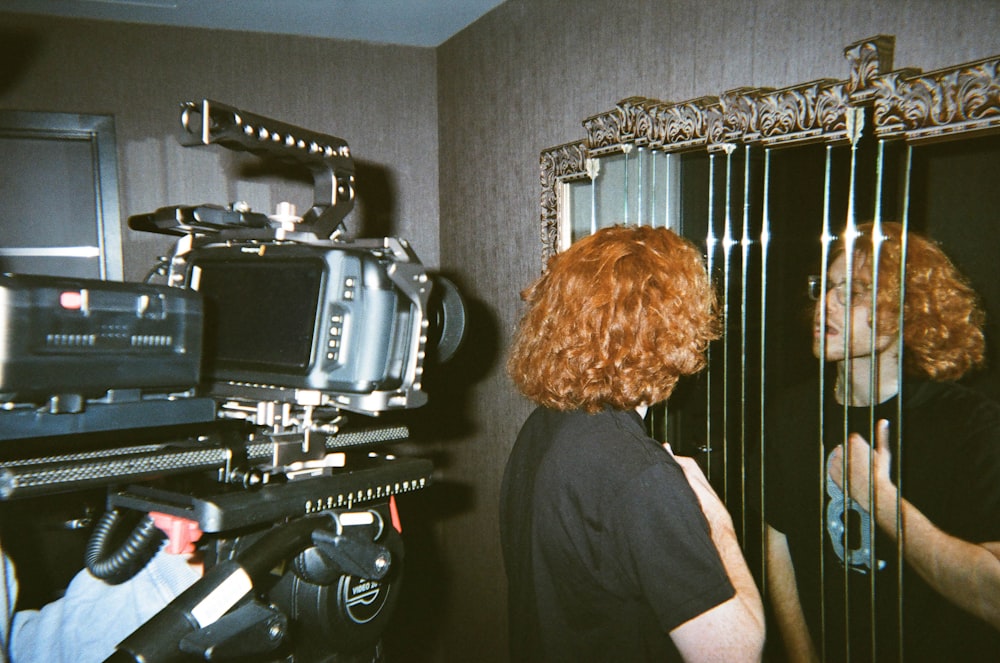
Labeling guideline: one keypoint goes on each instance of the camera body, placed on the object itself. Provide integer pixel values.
(333, 324)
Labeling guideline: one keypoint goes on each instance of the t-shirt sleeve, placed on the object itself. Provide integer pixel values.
(665, 542)
(978, 500)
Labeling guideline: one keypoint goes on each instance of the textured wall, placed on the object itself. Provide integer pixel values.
(363, 93)
(516, 82)
(522, 79)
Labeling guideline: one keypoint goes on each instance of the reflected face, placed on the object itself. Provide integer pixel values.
(848, 332)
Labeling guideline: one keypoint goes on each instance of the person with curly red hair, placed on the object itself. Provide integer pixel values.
(889, 552)
(615, 549)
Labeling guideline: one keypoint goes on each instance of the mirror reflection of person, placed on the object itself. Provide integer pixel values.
(832, 572)
(615, 549)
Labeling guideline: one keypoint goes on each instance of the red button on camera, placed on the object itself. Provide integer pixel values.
(71, 300)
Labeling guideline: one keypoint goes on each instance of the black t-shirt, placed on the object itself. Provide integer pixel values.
(950, 459)
(605, 545)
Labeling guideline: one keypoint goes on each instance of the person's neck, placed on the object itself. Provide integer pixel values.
(857, 373)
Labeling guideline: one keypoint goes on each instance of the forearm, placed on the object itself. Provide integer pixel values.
(742, 580)
(733, 631)
(967, 574)
(8, 598)
(736, 627)
(783, 595)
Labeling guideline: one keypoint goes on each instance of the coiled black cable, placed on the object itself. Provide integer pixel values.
(117, 566)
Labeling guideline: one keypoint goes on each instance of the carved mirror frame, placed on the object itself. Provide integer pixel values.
(907, 104)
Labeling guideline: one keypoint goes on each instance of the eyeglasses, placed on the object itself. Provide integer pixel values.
(860, 291)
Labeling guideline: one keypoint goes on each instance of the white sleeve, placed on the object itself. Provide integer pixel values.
(8, 597)
(92, 617)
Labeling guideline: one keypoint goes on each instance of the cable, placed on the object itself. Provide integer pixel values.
(132, 555)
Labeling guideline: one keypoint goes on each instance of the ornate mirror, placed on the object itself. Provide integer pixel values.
(766, 182)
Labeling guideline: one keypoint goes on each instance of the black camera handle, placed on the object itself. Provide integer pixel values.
(327, 158)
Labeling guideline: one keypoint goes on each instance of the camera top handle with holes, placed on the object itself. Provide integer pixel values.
(328, 158)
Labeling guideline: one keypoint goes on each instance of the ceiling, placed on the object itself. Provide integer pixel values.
(402, 22)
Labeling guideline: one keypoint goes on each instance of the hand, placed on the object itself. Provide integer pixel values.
(861, 461)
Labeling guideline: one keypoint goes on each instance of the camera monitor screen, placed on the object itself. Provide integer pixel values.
(331, 320)
(260, 315)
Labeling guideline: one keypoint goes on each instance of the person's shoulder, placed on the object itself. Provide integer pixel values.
(954, 398)
(579, 422)
(546, 421)
(560, 435)
(974, 417)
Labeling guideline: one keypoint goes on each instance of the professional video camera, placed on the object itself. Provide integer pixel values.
(220, 400)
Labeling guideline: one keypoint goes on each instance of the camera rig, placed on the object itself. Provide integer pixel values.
(221, 400)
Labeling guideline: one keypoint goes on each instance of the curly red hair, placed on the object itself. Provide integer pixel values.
(615, 321)
(943, 317)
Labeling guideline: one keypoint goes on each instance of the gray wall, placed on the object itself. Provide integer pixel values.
(456, 133)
